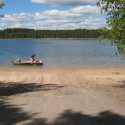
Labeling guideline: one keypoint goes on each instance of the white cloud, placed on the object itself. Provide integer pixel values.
(77, 17)
(88, 9)
(64, 2)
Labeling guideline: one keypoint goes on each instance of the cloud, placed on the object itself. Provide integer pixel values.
(88, 9)
(64, 2)
(78, 17)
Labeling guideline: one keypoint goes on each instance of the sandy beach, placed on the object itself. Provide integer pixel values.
(67, 96)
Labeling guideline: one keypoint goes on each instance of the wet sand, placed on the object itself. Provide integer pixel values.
(74, 96)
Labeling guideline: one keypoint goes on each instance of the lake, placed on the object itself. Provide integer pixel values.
(60, 52)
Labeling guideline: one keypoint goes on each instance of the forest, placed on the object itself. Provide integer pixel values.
(32, 33)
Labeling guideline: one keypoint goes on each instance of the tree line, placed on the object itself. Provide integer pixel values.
(32, 33)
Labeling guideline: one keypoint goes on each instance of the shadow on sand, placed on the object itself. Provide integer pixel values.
(76, 118)
(12, 114)
(8, 89)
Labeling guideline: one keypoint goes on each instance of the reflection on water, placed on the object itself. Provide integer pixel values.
(60, 53)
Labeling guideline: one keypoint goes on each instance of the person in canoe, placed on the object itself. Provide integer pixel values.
(33, 58)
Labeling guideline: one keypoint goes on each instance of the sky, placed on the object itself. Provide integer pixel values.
(51, 14)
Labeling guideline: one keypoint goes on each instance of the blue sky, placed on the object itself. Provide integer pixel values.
(18, 6)
(51, 14)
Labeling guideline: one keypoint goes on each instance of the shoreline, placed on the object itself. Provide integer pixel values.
(62, 68)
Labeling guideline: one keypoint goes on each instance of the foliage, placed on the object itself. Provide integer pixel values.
(115, 33)
(31, 33)
(1, 5)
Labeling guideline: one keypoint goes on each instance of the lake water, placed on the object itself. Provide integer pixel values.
(60, 53)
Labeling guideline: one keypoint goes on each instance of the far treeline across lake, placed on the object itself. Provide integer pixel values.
(31, 33)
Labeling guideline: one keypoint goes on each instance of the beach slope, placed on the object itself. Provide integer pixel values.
(68, 96)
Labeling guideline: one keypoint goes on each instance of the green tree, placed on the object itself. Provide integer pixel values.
(31, 33)
(115, 33)
(1, 4)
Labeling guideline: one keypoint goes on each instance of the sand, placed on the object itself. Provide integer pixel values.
(65, 96)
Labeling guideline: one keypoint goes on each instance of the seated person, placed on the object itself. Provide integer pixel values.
(33, 58)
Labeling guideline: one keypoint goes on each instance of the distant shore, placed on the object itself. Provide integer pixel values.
(51, 38)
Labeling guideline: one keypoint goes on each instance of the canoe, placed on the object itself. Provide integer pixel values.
(28, 63)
